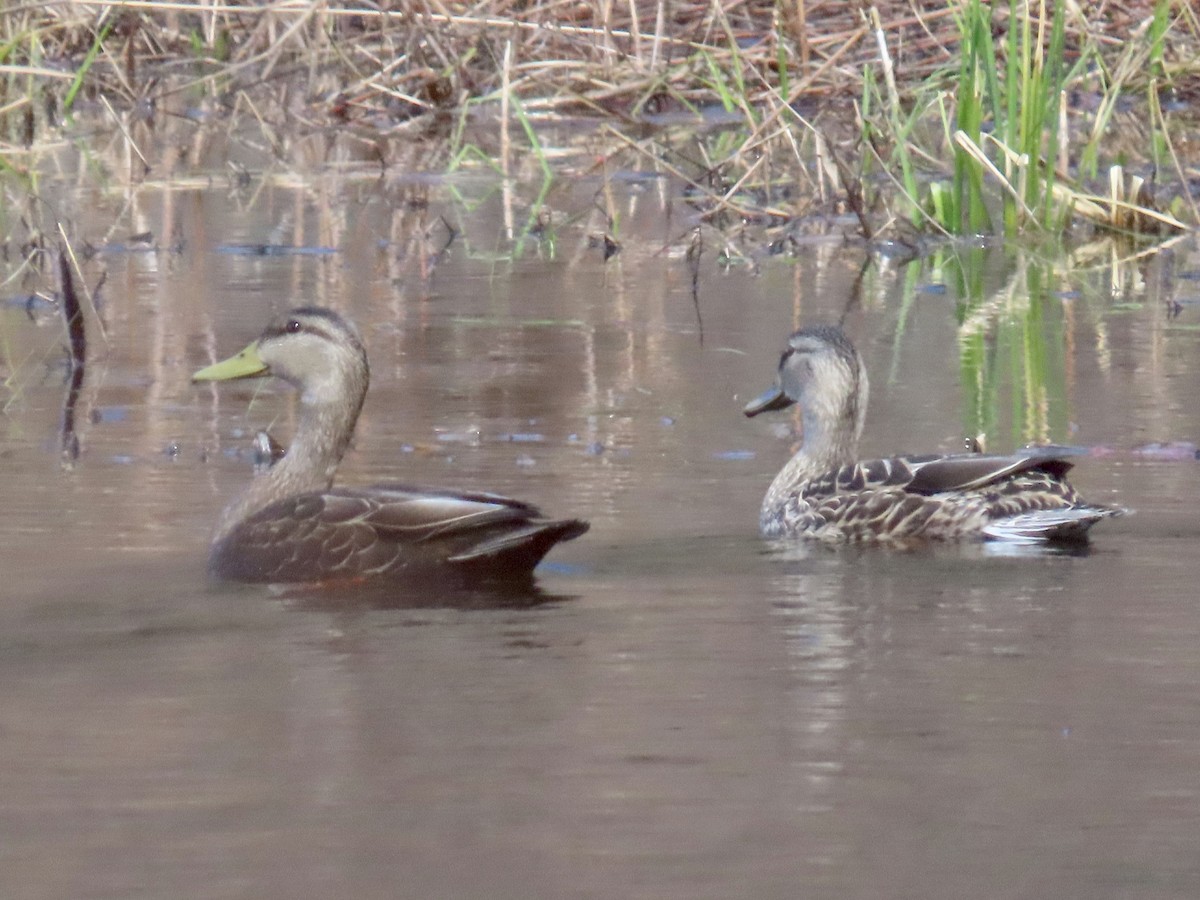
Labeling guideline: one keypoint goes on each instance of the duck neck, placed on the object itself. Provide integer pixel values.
(322, 435)
(828, 443)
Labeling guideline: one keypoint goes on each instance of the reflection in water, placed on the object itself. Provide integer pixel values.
(418, 594)
(77, 356)
(821, 642)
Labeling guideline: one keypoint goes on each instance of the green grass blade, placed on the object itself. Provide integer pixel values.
(85, 67)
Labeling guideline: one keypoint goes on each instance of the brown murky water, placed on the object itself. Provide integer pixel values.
(690, 713)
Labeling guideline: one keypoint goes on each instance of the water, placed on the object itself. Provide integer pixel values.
(684, 710)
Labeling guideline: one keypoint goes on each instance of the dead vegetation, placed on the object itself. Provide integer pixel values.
(770, 111)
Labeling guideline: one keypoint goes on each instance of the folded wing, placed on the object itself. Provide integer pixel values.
(392, 530)
(1024, 497)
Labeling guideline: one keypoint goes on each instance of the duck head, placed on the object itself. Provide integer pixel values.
(312, 348)
(822, 371)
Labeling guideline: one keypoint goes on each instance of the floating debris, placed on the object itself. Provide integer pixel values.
(142, 242)
(469, 437)
(611, 246)
(107, 414)
(267, 451)
(1170, 451)
(274, 250)
(734, 455)
(1057, 450)
(38, 307)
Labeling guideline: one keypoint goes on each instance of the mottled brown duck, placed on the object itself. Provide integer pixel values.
(291, 525)
(826, 492)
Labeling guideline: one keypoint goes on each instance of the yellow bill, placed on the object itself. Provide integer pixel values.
(243, 365)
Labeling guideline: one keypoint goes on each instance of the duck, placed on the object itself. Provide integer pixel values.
(825, 492)
(292, 525)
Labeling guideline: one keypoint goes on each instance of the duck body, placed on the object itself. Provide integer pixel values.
(388, 531)
(291, 525)
(1017, 498)
(825, 492)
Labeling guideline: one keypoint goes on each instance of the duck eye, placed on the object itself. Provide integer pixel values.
(292, 326)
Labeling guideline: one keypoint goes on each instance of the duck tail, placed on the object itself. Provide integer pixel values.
(1066, 525)
(521, 548)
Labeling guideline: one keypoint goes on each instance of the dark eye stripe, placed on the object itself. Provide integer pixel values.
(287, 326)
(314, 320)
(294, 326)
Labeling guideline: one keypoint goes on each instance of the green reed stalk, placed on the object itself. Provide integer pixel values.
(1156, 39)
(1023, 103)
(535, 143)
(1021, 99)
(1045, 87)
(727, 83)
(977, 84)
(85, 67)
(781, 70)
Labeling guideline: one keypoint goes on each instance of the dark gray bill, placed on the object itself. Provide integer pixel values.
(771, 399)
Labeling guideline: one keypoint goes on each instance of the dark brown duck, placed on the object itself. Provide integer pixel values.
(292, 525)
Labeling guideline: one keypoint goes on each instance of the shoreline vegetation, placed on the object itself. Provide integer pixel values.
(1020, 119)
(1061, 135)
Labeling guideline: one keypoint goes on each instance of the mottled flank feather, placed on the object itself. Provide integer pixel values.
(824, 492)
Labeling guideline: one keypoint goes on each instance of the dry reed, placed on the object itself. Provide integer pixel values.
(793, 75)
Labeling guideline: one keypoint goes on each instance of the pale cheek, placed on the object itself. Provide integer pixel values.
(320, 391)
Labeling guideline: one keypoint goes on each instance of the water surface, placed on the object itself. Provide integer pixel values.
(682, 710)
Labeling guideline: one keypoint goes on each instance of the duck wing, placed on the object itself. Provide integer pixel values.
(933, 474)
(970, 471)
(389, 530)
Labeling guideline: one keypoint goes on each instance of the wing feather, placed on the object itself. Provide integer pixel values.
(388, 528)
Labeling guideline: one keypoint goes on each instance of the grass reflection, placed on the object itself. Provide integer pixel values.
(1011, 347)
